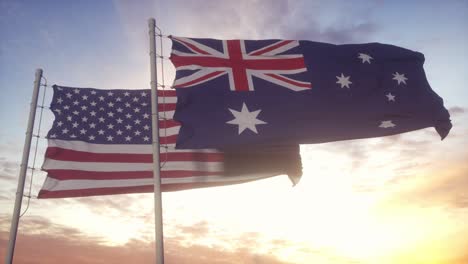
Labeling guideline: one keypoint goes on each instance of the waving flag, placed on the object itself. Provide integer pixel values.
(255, 92)
(100, 143)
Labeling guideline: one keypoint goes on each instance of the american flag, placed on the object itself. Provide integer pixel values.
(100, 143)
(274, 61)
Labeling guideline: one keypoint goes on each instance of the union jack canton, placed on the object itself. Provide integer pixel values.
(198, 61)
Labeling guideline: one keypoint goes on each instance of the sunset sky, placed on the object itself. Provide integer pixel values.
(398, 199)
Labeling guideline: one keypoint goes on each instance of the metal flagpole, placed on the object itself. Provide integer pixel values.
(155, 127)
(23, 169)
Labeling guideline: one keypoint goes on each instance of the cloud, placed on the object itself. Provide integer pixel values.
(41, 241)
(456, 110)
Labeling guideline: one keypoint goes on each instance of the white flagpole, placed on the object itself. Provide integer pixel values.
(155, 127)
(23, 169)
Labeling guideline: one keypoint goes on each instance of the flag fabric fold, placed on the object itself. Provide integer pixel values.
(100, 143)
(258, 92)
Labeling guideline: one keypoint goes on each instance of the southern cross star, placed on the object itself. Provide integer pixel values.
(365, 57)
(390, 97)
(344, 81)
(387, 124)
(245, 119)
(400, 78)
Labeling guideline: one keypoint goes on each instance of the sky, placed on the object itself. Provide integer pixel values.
(398, 199)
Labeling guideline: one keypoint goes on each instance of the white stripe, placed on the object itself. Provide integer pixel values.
(51, 164)
(167, 99)
(199, 74)
(51, 184)
(125, 149)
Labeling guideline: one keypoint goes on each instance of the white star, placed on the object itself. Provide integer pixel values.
(127, 104)
(110, 126)
(84, 119)
(110, 93)
(83, 131)
(344, 81)
(144, 104)
(76, 91)
(93, 103)
(66, 107)
(92, 125)
(137, 110)
(137, 133)
(119, 132)
(118, 99)
(128, 115)
(245, 119)
(76, 103)
(101, 132)
(59, 100)
(387, 124)
(101, 98)
(128, 127)
(85, 97)
(119, 110)
(128, 138)
(91, 137)
(69, 118)
(145, 116)
(126, 93)
(400, 78)
(146, 138)
(143, 94)
(93, 92)
(135, 99)
(75, 112)
(365, 57)
(110, 104)
(109, 138)
(110, 114)
(84, 107)
(64, 131)
(53, 136)
(119, 121)
(137, 121)
(73, 136)
(59, 123)
(58, 111)
(390, 97)
(69, 95)
(101, 119)
(146, 127)
(75, 125)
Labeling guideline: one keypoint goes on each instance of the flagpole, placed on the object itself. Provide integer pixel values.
(23, 169)
(155, 129)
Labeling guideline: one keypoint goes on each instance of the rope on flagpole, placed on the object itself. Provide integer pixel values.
(37, 136)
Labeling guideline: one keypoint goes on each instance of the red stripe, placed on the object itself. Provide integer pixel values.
(272, 63)
(300, 84)
(279, 44)
(82, 156)
(167, 93)
(208, 76)
(123, 175)
(168, 123)
(166, 107)
(43, 194)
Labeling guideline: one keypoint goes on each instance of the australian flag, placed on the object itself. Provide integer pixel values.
(263, 92)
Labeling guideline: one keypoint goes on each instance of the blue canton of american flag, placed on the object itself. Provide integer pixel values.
(104, 117)
(250, 92)
(198, 61)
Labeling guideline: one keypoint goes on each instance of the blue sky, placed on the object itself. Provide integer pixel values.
(410, 182)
